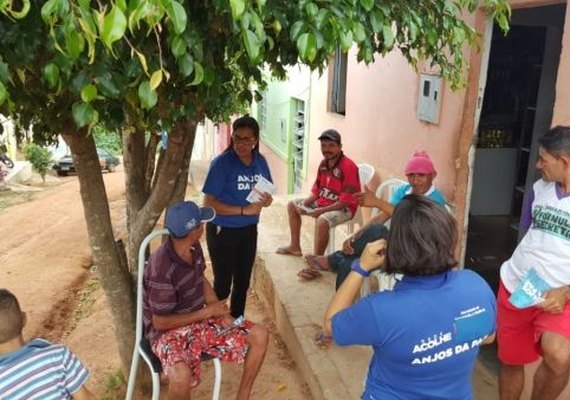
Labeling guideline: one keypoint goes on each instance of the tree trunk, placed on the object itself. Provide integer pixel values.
(134, 161)
(172, 172)
(115, 280)
(182, 181)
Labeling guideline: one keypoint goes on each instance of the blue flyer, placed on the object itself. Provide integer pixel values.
(529, 292)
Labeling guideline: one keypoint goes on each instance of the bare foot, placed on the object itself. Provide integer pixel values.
(288, 250)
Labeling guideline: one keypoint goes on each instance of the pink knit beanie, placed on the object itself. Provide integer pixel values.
(420, 163)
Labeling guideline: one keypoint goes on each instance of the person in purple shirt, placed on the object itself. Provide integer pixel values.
(182, 315)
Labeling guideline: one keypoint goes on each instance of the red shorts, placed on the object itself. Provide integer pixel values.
(187, 344)
(519, 330)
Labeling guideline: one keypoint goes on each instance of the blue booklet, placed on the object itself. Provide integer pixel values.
(529, 292)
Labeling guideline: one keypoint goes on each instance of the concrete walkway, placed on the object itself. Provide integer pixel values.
(298, 307)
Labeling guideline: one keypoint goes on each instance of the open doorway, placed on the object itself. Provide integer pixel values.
(517, 109)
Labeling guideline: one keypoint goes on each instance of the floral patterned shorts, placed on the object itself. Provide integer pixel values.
(187, 344)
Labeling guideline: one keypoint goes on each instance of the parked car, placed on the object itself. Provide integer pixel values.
(107, 161)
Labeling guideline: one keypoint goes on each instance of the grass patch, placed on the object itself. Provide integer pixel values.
(10, 198)
(86, 301)
(115, 386)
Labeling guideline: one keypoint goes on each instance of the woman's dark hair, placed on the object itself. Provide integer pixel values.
(422, 238)
(245, 122)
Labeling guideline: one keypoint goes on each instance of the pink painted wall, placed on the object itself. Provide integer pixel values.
(381, 127)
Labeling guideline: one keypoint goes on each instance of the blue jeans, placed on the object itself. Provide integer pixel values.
(341, 262)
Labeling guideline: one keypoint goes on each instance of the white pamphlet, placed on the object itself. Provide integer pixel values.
(262, 186)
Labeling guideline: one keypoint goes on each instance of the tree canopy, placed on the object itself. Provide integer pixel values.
(139, 66)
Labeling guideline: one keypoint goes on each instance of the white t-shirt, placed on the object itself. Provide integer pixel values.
(546, 245)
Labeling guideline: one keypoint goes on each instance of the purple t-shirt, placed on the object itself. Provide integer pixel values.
(172, 286)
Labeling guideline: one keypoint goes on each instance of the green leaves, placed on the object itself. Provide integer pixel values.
(84, 114)
(177, 16)
(388, 37)
(307, 46)
(3, 93)
(113, 27)
(88, 93)
(238, 8)
(186, 65)
(50, 73)
(75, 43)
(178, 46)
(198, 74)
(155, 79)
(252, 45)
(367, 4)
(147, 95)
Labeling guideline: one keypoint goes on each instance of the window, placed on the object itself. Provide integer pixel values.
(337, 100)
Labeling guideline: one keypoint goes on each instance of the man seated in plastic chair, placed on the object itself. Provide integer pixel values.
(420, 172)
(331, 201)
(184, 319)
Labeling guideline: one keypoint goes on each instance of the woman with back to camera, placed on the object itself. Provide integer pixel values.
(232, 236)
(425, 333)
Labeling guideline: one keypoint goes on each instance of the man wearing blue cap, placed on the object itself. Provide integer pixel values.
(182, 316)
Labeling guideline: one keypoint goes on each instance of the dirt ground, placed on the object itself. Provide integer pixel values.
(46, 261)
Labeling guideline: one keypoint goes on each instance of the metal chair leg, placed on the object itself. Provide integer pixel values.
(217, 379)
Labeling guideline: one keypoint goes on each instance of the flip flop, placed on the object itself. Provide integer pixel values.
(288, 252)
(322, 340)
(308, 274)
(312, 262)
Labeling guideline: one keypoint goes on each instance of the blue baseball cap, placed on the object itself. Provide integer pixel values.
(185, 216)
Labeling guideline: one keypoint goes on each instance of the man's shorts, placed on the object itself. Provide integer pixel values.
(519, 330)
(333, 218)
(187, 344)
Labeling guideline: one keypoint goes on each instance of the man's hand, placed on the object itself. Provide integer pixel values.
(302, 208)
(555, 300)
(315, 213)
(365, 199)
(347, 246)
(217, 309)
(373, 255)
(227, 320)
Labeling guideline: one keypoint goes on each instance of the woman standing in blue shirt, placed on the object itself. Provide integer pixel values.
(425, 333)
(232, 236)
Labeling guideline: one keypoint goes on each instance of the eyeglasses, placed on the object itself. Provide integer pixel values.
(244, 140)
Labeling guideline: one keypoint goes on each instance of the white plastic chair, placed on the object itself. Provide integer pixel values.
(142, 345)
(385, 281)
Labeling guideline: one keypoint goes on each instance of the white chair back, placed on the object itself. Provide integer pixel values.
(365, 173)
(386, 190)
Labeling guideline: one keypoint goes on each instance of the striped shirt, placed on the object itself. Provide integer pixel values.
(171, 286)
(40, 370)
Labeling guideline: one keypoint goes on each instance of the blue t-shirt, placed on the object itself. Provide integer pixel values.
(425, 335)
(230, 181)
(432, 194)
